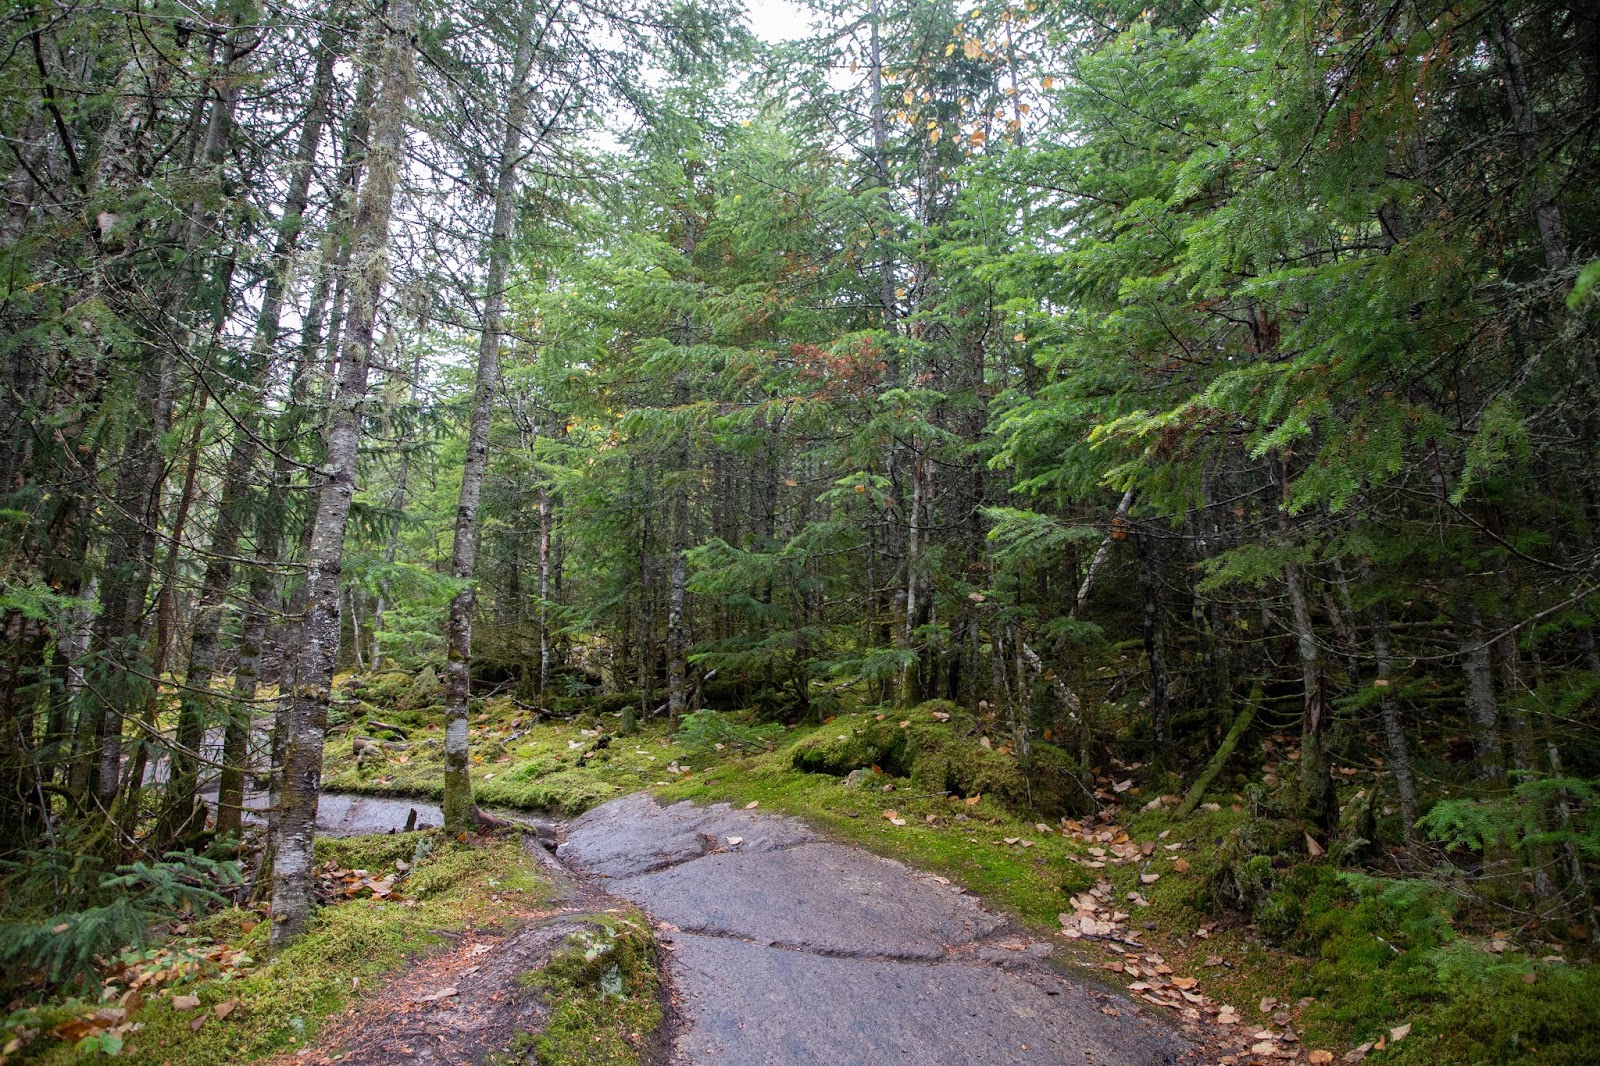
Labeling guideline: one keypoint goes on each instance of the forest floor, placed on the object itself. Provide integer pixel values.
(824, 896)
(1322, 964)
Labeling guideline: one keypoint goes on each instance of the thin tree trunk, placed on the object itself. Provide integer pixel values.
(1318, 801)
(196, 712)
(459, 810)
(1155, 648)
(1393, 728)
(294, 820)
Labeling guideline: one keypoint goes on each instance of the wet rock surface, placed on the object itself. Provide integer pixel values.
(784, 948)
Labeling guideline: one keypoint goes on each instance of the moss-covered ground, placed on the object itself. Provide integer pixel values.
(1227, 895)
(1235, 903)
(604, 991)
(279, 1004)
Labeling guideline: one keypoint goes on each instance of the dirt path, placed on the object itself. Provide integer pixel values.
(789, 949)
(464, 1003)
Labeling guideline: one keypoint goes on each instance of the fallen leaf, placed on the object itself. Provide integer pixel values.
(972, 801)
(1400, 1032)
(1320, 1057)
(735, 841)
(1149, 879)
(185, 1002)
(1185, 982)
(1313, 849)
(434, 997)
(225, 1008)
(1122, 786)
(752, 805)
(1181, 865)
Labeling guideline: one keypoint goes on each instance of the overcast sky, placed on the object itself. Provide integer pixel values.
(778, 20)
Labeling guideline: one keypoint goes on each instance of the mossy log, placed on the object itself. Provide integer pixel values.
(1197, 791)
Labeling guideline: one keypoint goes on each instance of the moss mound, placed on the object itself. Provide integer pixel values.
(603, 992)
(937, 746)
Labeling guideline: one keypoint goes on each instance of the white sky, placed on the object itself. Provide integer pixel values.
(777, 20)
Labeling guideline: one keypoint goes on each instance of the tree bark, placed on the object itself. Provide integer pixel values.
(196, 710)
(294, 818)
(459, 809)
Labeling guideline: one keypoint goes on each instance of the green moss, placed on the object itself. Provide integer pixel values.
(850, 744)
(937, 746)
(1501, 1018)
(282, 1004)
(603, 989)
(567, 792)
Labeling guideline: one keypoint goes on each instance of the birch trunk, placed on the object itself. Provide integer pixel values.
(459, 810)
(294, 818)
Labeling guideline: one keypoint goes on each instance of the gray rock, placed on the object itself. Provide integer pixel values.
(791, 950)
(828, 898)
(749, 1005)
(634, 835)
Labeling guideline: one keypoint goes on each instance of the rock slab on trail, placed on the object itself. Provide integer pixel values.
(790, 949)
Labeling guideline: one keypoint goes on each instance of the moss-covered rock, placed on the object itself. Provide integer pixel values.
(603, 993)
(425, 690)
(936, 745)
(858, 743)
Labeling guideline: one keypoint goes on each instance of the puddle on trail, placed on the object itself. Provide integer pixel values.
(342, 814)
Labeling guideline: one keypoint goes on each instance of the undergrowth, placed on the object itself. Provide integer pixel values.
(279, 1005)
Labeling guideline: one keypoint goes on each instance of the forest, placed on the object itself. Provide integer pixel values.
(1093, 420)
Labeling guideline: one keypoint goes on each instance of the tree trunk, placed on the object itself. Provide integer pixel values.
(459, 810)
(1393, 729)
(294, 818)
(196, 713)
